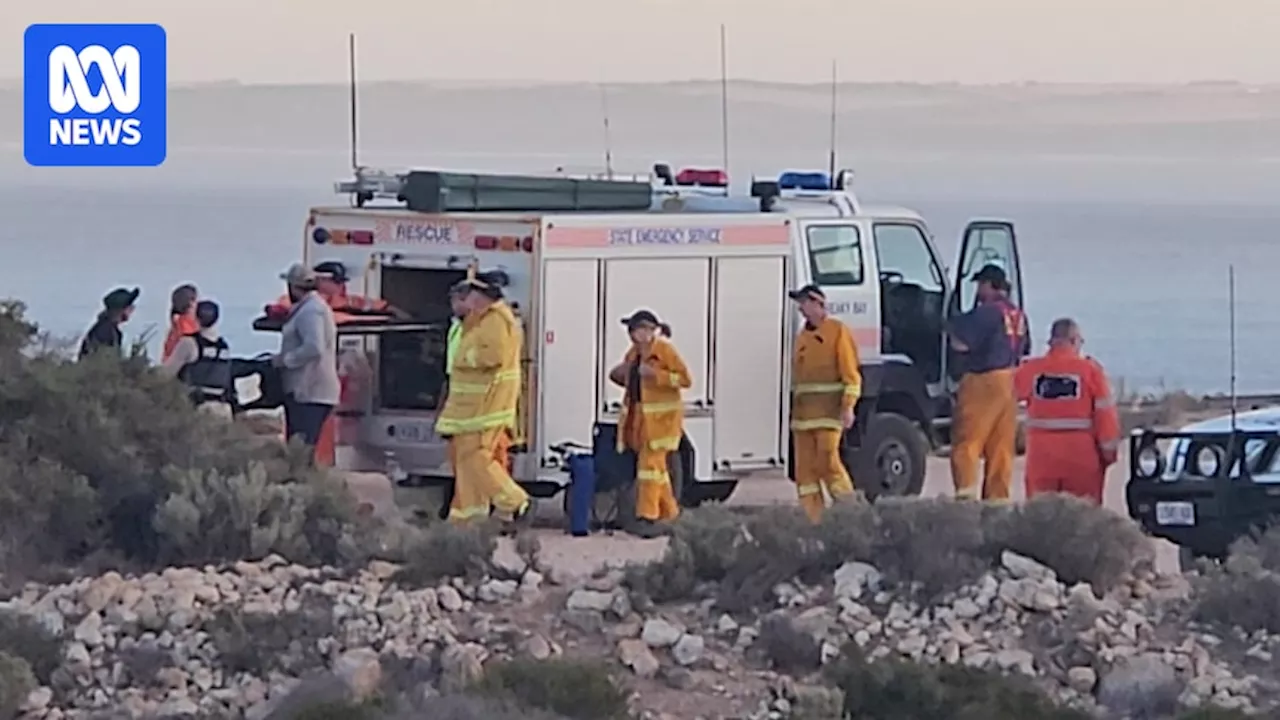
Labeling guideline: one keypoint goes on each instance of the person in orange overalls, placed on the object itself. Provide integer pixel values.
(1073, 430)
(826, 384)
(652, 421)
(991, 339)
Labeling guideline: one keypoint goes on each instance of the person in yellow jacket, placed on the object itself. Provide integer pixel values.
(652, 421)
(826, 384)
(480, 410)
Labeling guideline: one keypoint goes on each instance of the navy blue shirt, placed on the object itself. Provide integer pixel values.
(994, 340)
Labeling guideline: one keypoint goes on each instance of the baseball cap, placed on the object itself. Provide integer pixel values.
(808, 292)
(993, 274)
(299, 275)
(120, 298)
(332, 269)
(641, 317)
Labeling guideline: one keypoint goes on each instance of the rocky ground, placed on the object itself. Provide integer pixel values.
(236, 640)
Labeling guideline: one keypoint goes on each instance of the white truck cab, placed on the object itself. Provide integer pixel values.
(578, 255)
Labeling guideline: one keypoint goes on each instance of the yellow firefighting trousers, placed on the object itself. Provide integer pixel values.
(817, 468)
(481, 477)
(986, 428)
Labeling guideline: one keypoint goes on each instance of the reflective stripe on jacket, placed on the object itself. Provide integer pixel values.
(484, 388)
(451, 347)
(825, 378)
(659, 409)
(1066, 392)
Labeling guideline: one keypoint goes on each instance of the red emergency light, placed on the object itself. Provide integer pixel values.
(701, 177)
(323, 236)
(505, 243)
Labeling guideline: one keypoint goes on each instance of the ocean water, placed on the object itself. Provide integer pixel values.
(1148, 281)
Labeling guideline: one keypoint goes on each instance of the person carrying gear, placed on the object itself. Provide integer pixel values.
(331, 284)
(1073, 430)
(826, 383)
(308, 359)
(182, 317)
(991, 338)
(202, 360)
(484, 390)
(117, 308)
(651, 423)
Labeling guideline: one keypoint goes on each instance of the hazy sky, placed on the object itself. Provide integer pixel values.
(633, 40)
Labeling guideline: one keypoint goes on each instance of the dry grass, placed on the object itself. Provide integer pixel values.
(575, 689)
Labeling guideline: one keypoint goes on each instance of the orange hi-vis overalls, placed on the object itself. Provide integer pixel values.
(484, 389)
(985, 427)
(1073, 430)
(825, 383)
(652, 424)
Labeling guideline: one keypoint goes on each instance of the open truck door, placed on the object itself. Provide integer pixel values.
(985, 242)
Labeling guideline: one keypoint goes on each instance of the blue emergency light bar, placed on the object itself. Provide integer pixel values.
(793, 180)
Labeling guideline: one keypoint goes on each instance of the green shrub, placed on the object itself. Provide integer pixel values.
(897, 689)
(470, 707)
(21, 636)
(1079, 540)
(576, 689)
(445, 550)
(107, 457)
(16, 682)
(931, 546)
(1243, 591)
(787, 648)
(287, 642)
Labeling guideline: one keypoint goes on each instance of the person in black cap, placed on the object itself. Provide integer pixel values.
(202, 360)
(991, 339)
(480, 414)
(651, 423)
(117, 308)
(331, 283)
(826, 383)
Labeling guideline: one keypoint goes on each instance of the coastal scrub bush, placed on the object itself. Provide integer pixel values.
(444, 550)
(576, 689)
(106, 457)
(1244, 590)
(928, 546)
(23, 637)
(16, 682)
(899, 689)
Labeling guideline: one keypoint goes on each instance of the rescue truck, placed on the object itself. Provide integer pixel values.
(579, 254)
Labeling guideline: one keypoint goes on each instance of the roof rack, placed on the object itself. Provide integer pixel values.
(433, 191)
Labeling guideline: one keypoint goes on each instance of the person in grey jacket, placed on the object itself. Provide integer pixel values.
(308, 358)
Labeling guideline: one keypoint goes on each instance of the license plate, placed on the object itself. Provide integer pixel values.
(412, 432)
(1176, 513)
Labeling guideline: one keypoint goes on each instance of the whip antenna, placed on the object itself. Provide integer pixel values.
(724, 102)
(832, 158)
(608, 144)
(1231, 311)
(351, 64)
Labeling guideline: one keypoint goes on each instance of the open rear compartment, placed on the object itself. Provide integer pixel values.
(411, 363)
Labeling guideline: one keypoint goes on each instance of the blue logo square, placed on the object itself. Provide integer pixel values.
(95, 95)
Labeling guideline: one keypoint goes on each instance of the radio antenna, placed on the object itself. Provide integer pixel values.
(724, 102)
(608, 144)
(832, 158)
(351, 63)
(1231, 313)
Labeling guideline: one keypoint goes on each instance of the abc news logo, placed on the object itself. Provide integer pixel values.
(69, 91)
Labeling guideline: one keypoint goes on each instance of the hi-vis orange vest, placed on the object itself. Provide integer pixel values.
(1068, 392)
(825, 377)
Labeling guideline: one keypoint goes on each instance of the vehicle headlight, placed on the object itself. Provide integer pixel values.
(1208, 461)
(1149, 462)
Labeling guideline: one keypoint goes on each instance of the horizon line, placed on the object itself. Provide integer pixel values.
(517, 82)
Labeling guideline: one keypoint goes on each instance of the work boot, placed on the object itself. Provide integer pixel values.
(513, 521)
(645, 528)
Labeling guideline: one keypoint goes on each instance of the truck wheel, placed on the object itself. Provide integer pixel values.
(891, 461)
(1187, 560)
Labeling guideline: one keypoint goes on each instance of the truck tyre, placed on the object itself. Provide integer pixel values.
(1187, 560)
(891, 460)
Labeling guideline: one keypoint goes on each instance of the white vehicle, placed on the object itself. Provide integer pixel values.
(582, 254)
